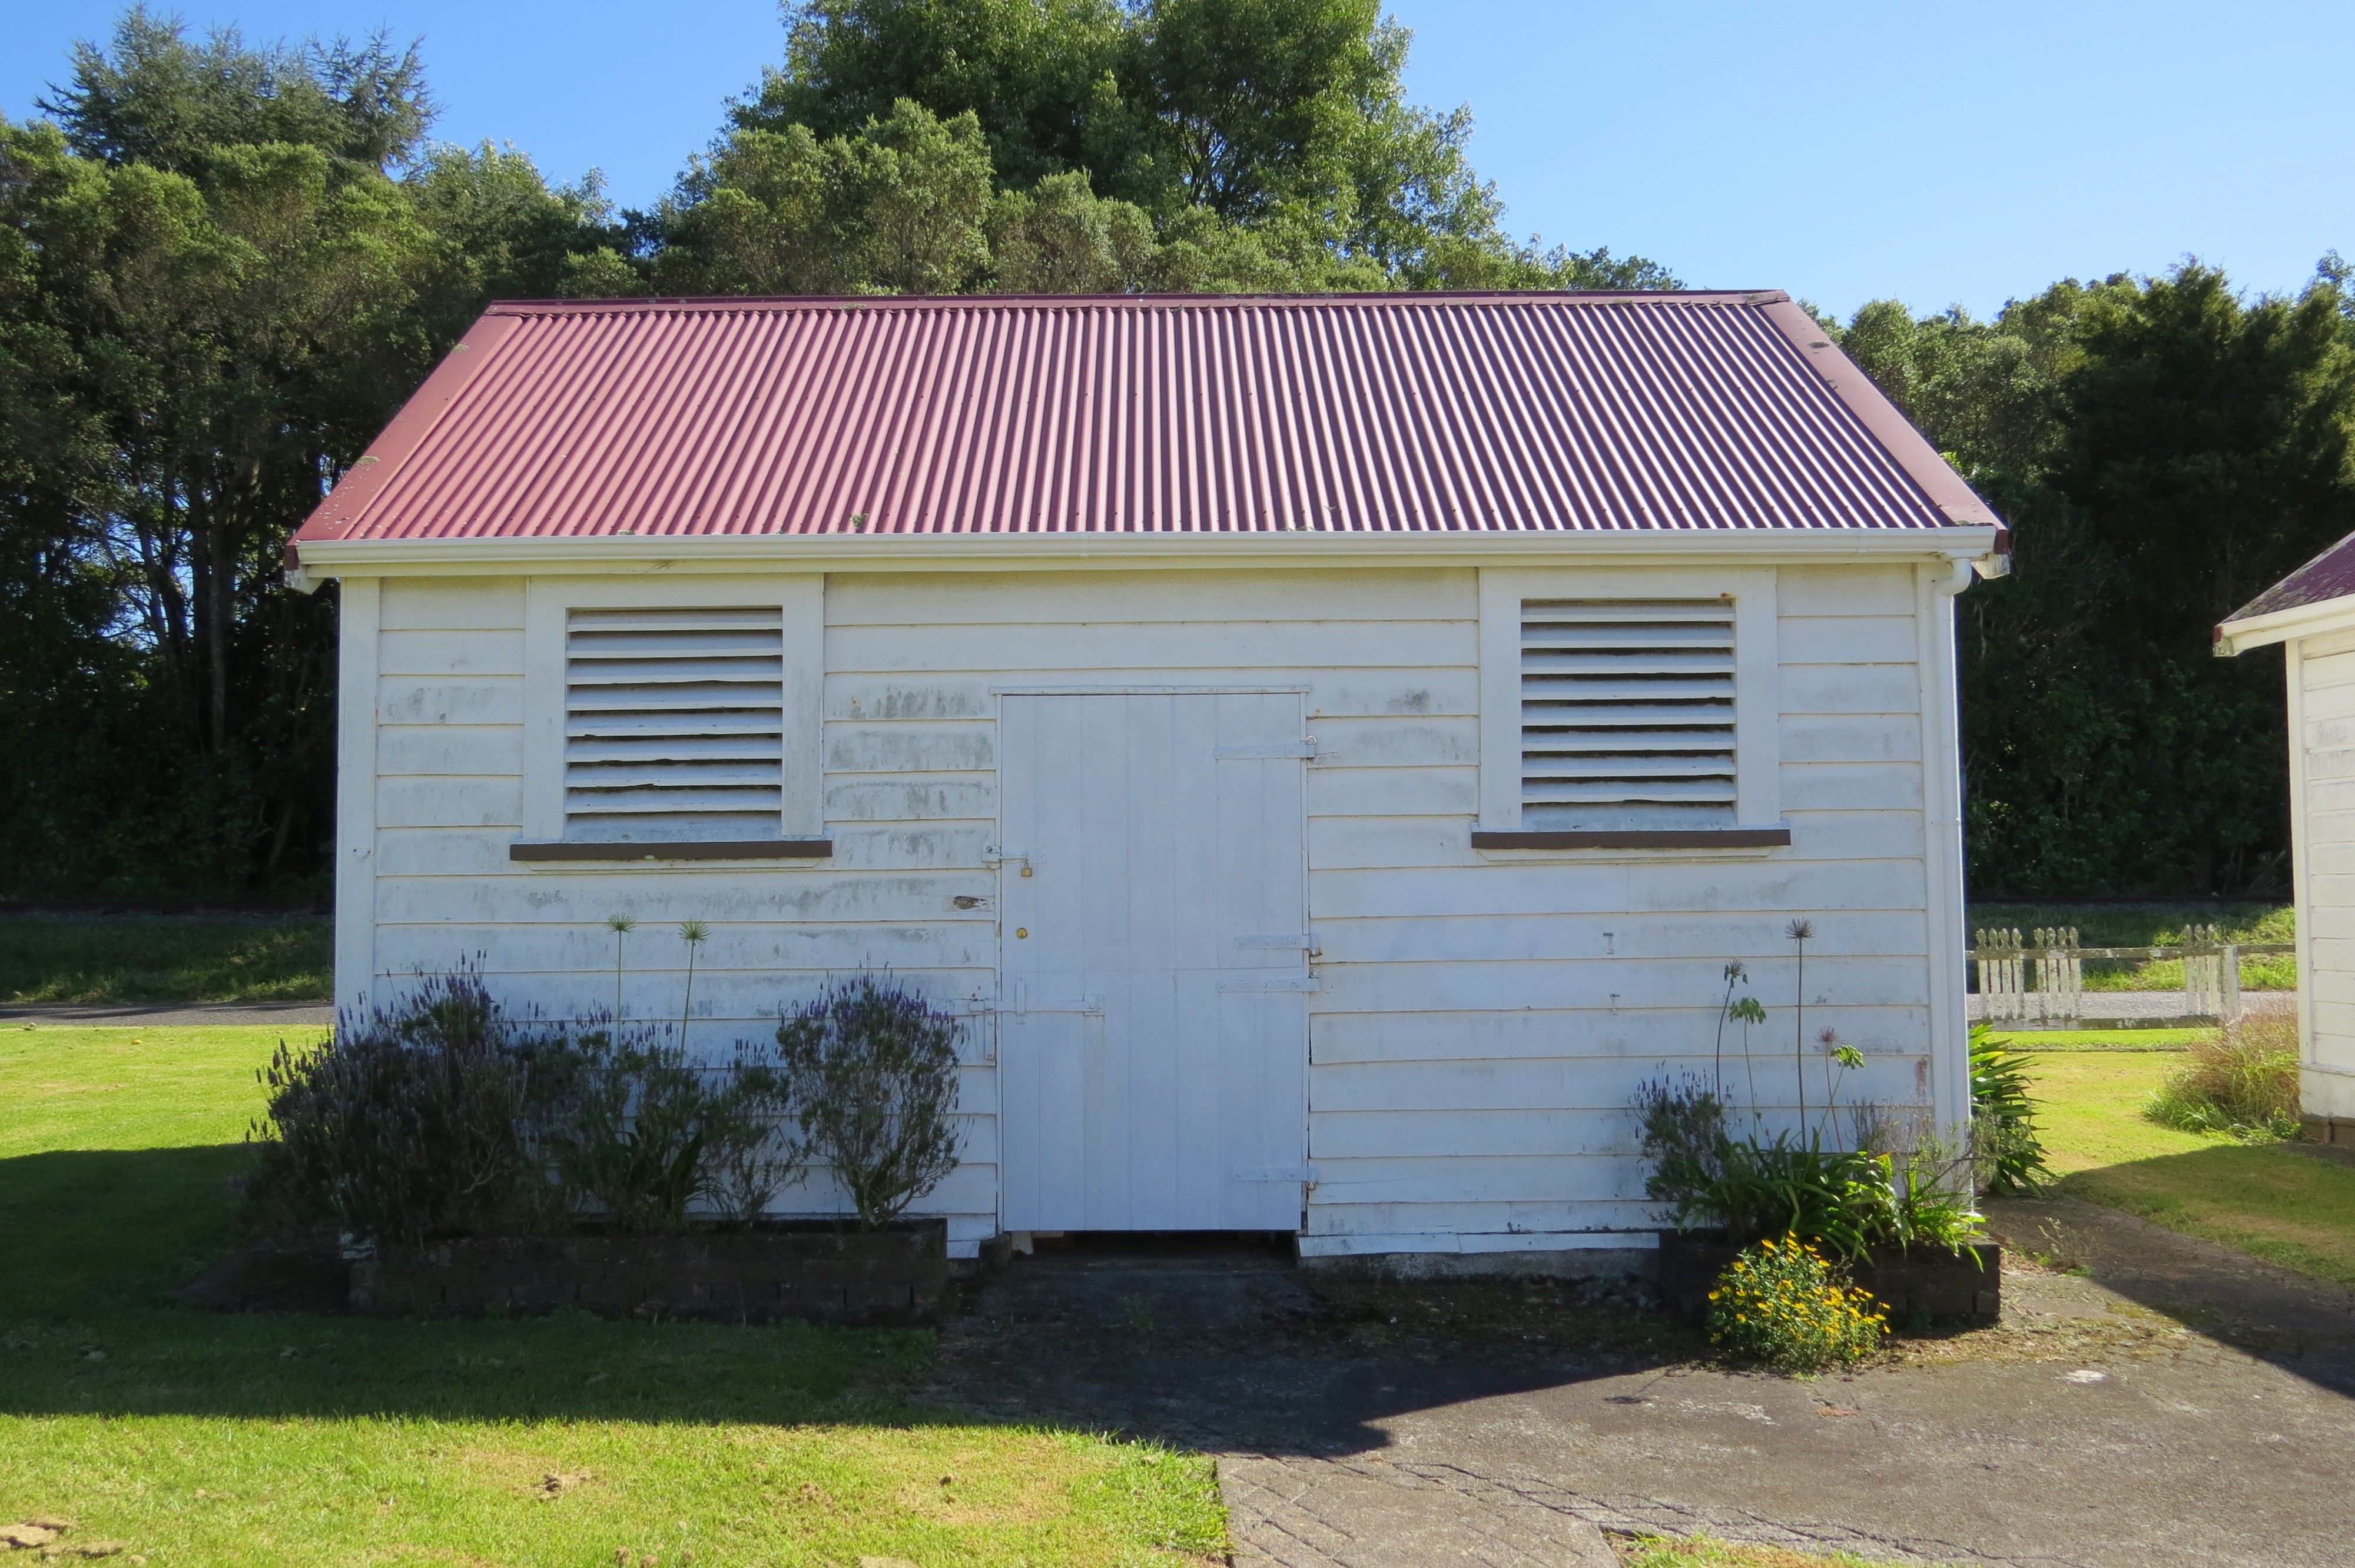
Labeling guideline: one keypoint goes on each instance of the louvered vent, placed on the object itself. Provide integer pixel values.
(1626, 714)
(674, 724)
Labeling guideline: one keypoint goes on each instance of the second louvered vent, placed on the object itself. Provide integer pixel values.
(1627, 714)
(674, 724)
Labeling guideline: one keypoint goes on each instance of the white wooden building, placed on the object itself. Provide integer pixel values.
(2311, 613)
(1330, 746)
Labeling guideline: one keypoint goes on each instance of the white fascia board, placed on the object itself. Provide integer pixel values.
(2235, 637)
(613, 556)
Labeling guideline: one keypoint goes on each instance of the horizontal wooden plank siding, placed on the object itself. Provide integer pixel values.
(2323, 669)
(1482, 1020)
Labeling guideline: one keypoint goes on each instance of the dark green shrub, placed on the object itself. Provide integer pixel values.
(871, 1070)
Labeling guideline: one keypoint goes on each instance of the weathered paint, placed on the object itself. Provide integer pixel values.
(1482, 1021)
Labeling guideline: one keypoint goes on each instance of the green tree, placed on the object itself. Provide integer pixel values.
(222, 274)
(1285, 120)
(2165, 451)
(897, 209)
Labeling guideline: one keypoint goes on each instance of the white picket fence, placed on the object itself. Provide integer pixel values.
(2040, 977)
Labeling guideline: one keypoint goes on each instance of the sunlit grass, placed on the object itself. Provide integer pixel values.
(273, 1439)
(2274, 1201)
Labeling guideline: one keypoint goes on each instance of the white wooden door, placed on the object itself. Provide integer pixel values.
(1153, 1047)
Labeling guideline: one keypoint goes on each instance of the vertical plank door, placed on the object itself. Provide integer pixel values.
(1153, 1049)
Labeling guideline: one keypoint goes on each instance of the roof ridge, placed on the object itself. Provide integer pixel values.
(721, 303)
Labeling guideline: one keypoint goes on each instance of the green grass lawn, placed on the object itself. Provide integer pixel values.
(166, 958)
(2068, 1040)
(273, 1438)
(2155, 924)
(2289, 1207)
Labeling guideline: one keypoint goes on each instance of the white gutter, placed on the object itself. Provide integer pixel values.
(1972, 548)
(2236, 637)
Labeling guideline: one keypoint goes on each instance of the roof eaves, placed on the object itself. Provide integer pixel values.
(2308, 599)
(348, 502)
(828, 551)
(1947, 490)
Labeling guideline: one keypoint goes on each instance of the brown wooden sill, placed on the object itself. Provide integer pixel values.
(706, 849)
(1637, 838)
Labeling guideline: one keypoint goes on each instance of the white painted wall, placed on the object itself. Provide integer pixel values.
(2322, 795)
(1484, 1020)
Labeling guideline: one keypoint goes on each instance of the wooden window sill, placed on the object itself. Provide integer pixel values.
(1636, 838)
(705, 849)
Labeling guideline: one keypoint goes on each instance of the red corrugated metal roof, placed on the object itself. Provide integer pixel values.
(1392, 413)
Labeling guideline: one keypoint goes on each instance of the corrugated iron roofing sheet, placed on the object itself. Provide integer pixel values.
(1399, 413)
(2330, 575)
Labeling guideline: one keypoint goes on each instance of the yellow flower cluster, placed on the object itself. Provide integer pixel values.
(1784, 1304)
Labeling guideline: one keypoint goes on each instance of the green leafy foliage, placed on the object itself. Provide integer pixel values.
(2240, 1080)
(1782, 1304)
(2009, 1151)
(872, 1072)
(1757, 1187)
(2164, 450)
(223, 266)
(1269, 143)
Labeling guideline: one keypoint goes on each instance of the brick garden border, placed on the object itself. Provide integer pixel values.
(1920, 1282)
(898, 1276)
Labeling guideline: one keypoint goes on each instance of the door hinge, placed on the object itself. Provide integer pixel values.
(1091, 1002)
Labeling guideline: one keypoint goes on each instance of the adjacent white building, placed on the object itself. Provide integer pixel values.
(2311, 613)
(1329, 746)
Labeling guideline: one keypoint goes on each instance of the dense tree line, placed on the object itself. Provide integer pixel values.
(223, 265)
(2164, 451)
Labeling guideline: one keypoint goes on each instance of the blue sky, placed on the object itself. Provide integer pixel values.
(1938, 153)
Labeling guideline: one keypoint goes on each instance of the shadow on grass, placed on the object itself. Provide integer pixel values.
(101, 1240)
(95, 1327)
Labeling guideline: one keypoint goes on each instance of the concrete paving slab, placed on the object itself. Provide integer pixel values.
(2148, 1401)
(1290, 1511)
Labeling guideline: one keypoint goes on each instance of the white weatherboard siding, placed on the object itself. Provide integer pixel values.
(2322, 788)
(1482, 1020)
